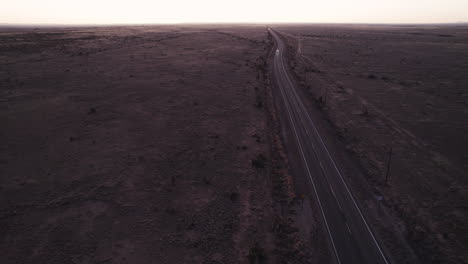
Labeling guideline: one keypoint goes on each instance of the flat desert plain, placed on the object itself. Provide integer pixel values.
(140, 145)
(162, 144)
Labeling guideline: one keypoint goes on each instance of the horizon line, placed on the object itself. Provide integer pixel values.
(3, 24)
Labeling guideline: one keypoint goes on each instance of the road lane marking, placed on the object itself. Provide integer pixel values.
(334, 195)
(341, 178)
(331, 159)
(307, 166)
(336, 168)
(349, 229)
(331, 188)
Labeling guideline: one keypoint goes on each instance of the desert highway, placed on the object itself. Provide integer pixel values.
(351, 239)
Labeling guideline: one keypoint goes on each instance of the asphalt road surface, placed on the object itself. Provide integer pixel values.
(350, 237)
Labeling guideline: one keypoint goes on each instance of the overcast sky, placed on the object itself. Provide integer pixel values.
(179, 11)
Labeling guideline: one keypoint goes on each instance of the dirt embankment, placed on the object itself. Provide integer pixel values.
(141, 144)
(401, 89)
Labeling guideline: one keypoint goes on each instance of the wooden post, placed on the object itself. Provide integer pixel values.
(299, 48)
(388, 164)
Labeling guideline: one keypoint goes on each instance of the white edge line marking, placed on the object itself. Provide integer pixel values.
(308, 170)
(336, 168)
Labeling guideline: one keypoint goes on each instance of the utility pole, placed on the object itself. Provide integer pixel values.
(299, 48)
(388, 164)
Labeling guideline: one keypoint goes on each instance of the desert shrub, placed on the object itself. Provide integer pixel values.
(321, 101)
(92, 111)
(365, 111)
(257, 255)
(170, 210)
(259, 102)
(206, 180)
(259, 161)
(234, 196)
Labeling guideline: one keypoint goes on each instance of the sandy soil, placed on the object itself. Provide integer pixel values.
(399, 87)
(141, 145)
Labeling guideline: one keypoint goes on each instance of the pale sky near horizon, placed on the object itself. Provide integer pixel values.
(184, 11)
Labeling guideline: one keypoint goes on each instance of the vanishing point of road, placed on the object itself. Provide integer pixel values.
(351, 239)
